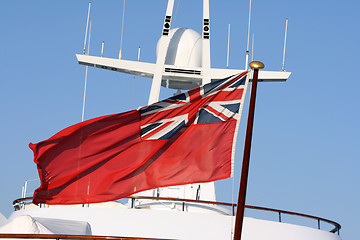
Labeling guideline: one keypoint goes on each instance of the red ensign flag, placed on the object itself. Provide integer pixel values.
(188, 138)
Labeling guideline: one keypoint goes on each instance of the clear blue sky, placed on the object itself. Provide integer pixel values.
(305, 152)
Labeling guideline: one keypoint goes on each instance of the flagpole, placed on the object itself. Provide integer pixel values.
(255, 65)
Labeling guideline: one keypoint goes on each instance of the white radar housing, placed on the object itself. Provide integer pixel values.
(185, 48)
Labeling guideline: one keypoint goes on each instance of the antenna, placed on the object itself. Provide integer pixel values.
(87, 24)
(139, 54)
(102, 49)
(228, 48)
(86, 73)
(252, 47)
(122, 30)
(248, 39)
(283, 62)
(88, 51)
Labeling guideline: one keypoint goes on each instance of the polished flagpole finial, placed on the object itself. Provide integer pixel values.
(256, 65)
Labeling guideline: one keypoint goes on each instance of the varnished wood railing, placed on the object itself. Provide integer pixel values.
(61, 236)
(279, 212)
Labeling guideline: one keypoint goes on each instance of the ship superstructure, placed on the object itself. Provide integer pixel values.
(178, 212)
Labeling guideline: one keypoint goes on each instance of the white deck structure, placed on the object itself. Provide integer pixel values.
(164, 220)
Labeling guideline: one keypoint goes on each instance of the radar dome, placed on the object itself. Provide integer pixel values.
(185, 48)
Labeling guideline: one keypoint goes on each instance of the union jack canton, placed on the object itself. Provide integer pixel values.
(219, 101)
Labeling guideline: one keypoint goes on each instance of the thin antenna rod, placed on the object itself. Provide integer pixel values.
(22, 192)
(102, 49)
(122, 30)
(252, 47)
(248, 40)
(139, 54)
(283, 62)
(87, 25)
(88, 50)
(86, 74)
(228, 49)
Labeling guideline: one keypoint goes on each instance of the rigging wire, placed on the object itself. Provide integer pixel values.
(86, 74)
(252, 47)
(177, 8)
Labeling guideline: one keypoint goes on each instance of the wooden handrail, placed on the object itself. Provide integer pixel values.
(61, 236)
(336, 225)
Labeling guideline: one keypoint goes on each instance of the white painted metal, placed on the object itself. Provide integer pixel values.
(102, 49)
(139, 54)
(25, 189)
(22, 192)
(206, 62)
(185, 48)
(176, 80)
(160, 61)
(173, 224)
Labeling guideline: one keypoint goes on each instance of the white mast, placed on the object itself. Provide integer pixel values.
(181, 76)
(160, 61)
(206, 65)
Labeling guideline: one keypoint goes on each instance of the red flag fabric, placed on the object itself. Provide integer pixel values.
(188, 138)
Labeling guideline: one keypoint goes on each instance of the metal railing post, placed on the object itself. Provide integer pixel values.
(132, 202)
